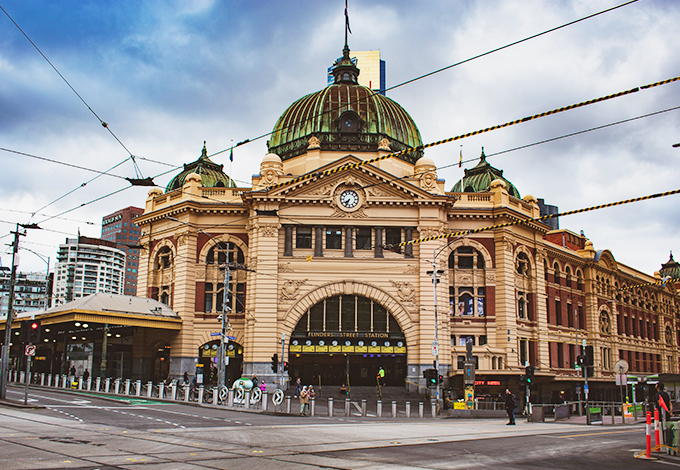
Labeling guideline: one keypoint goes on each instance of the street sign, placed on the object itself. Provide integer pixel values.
(621, 366)
(585, 388)
(435, 348)
(578, 389)
(215, 334)
(30, 350)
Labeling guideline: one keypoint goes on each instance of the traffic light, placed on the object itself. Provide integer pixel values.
(34, 330)
(23, 332)
(441, 379)
(285, 365)
(275, 363)
(430, 376)
(530, 374)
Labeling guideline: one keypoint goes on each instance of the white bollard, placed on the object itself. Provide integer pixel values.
(347, 407)
(312, 406)
(230, 398)
(22, 377)
(420, 409)
(107, 385)
(288, 404)
(127, 386)
(186, 393)
(49, 380)
(173, 391)
(394, 409)
(264, 401)
(97, 384)
(138, 388)
(161, 390)
(363, 407)
(215, 395)
(247, 399)
(116, 386)
(378, 412)
(408, 409)
(330, 407)
(200, 394)
(42, 379)
(149, 389)
(65, 381)
(433, 409)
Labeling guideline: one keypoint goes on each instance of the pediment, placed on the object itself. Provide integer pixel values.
(374, 185)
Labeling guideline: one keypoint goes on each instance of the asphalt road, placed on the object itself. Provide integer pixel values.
(88, 432)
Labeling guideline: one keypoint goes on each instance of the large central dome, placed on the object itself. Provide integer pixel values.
(345, 116)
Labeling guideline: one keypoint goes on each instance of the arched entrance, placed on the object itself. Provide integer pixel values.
(208, 355)
(346, 339)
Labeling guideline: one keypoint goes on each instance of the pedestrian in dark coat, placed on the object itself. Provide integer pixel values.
(510, 406)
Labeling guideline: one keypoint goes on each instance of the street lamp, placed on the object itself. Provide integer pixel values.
(47, 274)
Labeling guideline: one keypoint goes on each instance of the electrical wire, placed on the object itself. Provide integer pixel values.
(349, 166)
(528, 38)
(101, 121)
(538, 219)
(61, 218)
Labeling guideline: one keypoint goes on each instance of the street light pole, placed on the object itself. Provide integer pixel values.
(8, 324)
(436, 274)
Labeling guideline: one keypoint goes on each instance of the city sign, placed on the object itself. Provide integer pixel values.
(30, 350)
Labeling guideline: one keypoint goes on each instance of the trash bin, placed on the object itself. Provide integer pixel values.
(671, 437)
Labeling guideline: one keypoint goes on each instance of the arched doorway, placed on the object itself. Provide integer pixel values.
(161, 363)
(208, 355)
(346, 339)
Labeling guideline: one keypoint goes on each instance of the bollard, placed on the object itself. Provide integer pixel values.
(657, 440)
(161, 390)
(394, 409)
(648, 453)
(347, 405)
(200, 394)
(408, 409)
(378, 412)
(288, 404)
(42, 379)
(149, 389)
(246, 399)
(230, 398)
(173, 391)
(420, 409)
(330, 407)
(433, 408)
(127, 386)
(138, 388)
(97, 384)
(312, 404)
(65, 382)
(186, 393)
(614, 413)
(363, 407)
(107, 385)
(80, 384)
(215, 396)
(88, 384)
(22, 376)
(264, 401)
(49, 380)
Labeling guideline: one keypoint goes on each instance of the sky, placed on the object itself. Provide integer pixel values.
(167, 75)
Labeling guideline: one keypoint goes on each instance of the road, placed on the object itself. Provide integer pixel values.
(79, 431)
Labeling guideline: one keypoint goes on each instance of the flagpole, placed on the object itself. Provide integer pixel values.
(460, 165)
(231, 163)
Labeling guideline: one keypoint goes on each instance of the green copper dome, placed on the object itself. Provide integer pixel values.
(479, 178)
(211, 173)
(344, 116)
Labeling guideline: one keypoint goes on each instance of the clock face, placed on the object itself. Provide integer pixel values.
(349, 198)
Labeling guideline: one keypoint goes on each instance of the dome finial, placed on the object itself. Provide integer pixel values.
(482, 156)
(204, 153)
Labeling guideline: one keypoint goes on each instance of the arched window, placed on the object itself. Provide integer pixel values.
(521, 306)
(164, 258)
(218, 254)
(470, 299)
(567, 271)
(467, 258)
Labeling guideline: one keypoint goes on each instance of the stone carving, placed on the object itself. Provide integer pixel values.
(411, 269)
(291, 289)
(357, 214)
(490, 277)
(314, 143)
(429, 232)
(285, 268)
(269, 230)
(375, 191)
(323, 190)
(384, 144)
(428, 181)
(463, 279)
(405, 291)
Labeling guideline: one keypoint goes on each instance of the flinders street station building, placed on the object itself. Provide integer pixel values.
(317, 273)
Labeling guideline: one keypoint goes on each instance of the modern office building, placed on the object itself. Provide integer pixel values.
(120, 229)
(86, 266)
(372, 70)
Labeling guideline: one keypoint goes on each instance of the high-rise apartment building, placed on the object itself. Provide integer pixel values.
(372, 70)
(86, 266)
(119, 228)
(29, 292)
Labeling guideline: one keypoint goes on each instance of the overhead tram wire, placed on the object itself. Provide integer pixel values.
(350, 166)
(534, 219)
(138, 172)
(470, 59)
(545, 141)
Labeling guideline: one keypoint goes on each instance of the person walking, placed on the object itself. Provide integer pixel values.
(510, 406)
(298, 387)
(86, 375)
(381, 376)
(304, 401)
(663, 402)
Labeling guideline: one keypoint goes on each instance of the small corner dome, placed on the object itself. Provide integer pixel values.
(271, 158)
(193, 177)
(210, 174)
(425, 162)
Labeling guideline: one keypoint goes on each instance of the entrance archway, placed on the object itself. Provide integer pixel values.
(161, 363)
(208, 355)
(346, 339)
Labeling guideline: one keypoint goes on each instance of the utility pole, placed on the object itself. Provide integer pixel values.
(436, 274)
(8, 324)
(224, 340)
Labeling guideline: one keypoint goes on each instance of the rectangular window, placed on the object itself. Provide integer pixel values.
(461, 362)
(316, 317)
(523, 352)
(348, 313)
(392, 235)
(333, 238)
(482, 340)
(558, 314)
(379, 318)
(363, 238)
(560, 355)
(208, 297)
(303, 237)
